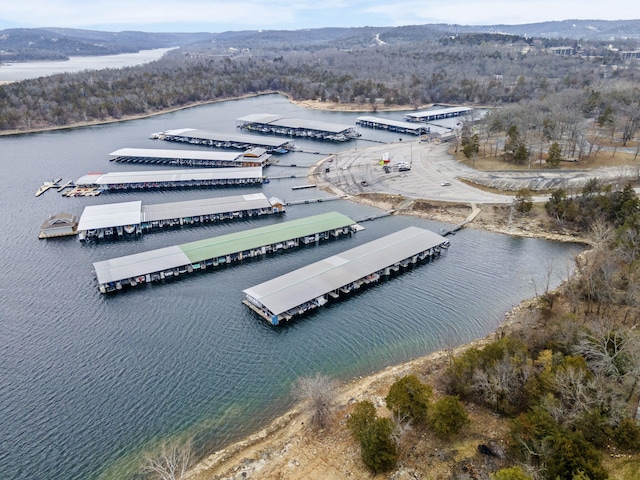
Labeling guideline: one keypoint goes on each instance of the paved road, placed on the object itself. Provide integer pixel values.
(431, 165)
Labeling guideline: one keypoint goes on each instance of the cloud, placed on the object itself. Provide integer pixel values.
(215, 15)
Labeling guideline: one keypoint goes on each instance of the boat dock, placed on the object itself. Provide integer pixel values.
(59, 225)
(411, 128)
(120, 220)
(310, 287)
(256, 157)
(170, 262)
(296, 127)
(139, 180)
(437, 114)
(225, 140)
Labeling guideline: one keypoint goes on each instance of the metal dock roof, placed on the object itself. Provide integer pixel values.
(227, 137)
(206, 206)
(170, 154)
(437, 113)
(133, 213)
(110, 215)
(307, 283)
(292, 122)
(164, 176)
(410, 126)
(257, 237)
(138, 264)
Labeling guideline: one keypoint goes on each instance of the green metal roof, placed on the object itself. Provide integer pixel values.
(238, 242)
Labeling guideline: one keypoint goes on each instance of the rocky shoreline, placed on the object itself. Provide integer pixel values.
(286, 449)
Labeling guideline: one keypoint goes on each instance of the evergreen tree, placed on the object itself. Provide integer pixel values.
(378, 450)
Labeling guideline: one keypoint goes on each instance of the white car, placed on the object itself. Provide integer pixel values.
(445, 184)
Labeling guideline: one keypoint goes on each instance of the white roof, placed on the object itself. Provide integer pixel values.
(207, 206)
(299, 286)
(177, 154)
(170, 175)
(439, 111)
(395, 123)
(110, 215)
(227, 137)
(292, 122)
(139, 264)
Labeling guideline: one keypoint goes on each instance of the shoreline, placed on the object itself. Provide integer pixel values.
(282, 431)
(267, 448)
(310, 104)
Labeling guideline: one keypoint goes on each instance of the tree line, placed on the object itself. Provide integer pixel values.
(493, 71)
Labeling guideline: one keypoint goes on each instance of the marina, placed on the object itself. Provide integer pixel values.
(437, 114)
(120, 220)
(256, 157)
(411, 128)
(300, 291)
(296, 127)
(225, 140)
(141, 180)
(171, 262)
(211, 367)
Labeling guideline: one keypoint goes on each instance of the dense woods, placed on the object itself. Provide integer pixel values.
(551, 94)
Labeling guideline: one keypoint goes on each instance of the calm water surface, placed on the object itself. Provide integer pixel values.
(16, 71)
(88, 381)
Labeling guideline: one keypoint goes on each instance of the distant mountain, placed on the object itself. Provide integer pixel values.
(23, 44)
(605, 30)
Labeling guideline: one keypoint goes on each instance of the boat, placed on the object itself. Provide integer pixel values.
(129, 229)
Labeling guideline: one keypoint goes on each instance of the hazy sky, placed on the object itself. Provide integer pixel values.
(221, 15)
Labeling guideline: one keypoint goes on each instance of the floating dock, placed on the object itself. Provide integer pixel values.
(257, 157)
(170, 262)
(437, 114)
(119, 220)
(411, 128)
(225, 140)
(140, 180)
(310, 287)
(59, 225)
(296, 127)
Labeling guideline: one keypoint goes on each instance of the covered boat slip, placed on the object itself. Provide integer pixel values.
(257, 157)
(226, 140)
(138, 180)
(113, 219)
(170, 262)
(310, 287)
(411, 128)
(116, 220)
(296, 127)
(437, 114)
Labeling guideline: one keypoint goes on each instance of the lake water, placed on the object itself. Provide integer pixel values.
(16, 71)
(88, 381)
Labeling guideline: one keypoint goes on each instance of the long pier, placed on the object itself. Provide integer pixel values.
(257, 157)
(171, 262)
(142, 180)
(225, 140)
(296, 127)
(303, 290)
(123, 220)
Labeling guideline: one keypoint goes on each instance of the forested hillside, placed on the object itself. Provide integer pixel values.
(482, 69)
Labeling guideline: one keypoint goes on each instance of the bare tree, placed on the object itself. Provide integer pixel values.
(500, 382)
(318, 392)
(612, 352)
(169, 462)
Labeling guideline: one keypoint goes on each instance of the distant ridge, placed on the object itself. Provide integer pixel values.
(24, 44)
